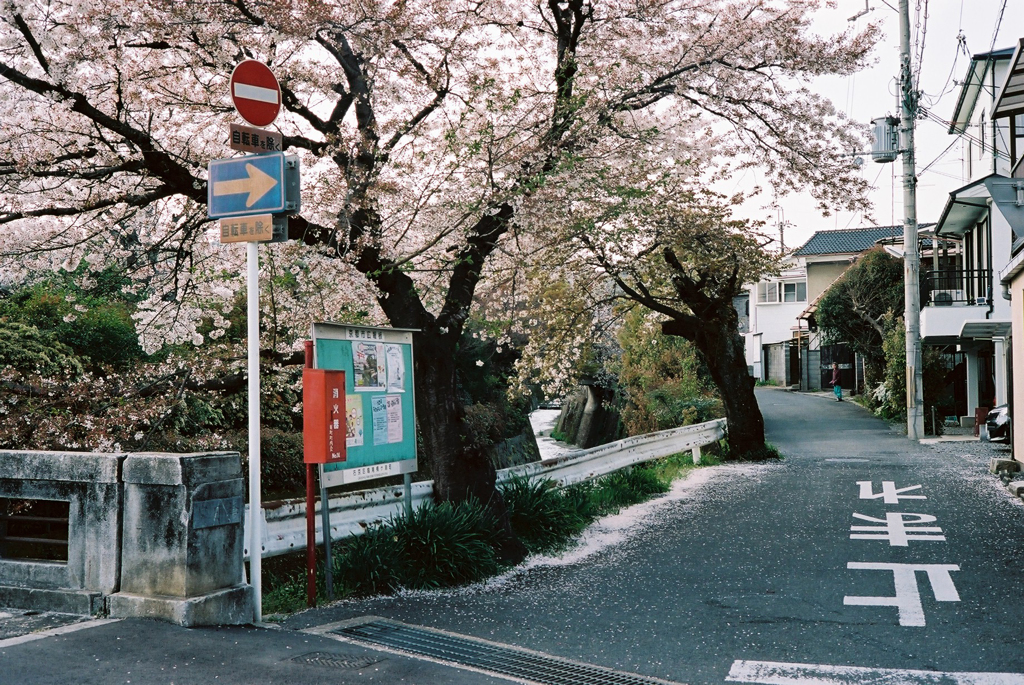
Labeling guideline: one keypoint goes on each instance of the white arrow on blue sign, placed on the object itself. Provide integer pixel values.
(255, 184)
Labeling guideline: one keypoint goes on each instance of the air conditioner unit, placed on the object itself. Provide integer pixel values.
(941, 298)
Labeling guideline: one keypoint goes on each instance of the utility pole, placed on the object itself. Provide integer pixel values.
(911, 257)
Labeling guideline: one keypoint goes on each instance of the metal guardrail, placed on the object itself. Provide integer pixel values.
(284, 526)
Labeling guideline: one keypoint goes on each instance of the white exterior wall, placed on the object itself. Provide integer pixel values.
(977, 164)
(771, 322)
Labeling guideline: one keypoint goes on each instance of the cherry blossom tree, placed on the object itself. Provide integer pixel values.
(438, 139)
(676, 250)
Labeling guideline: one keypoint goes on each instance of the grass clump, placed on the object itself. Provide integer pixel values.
(541, 515)
(440, 546)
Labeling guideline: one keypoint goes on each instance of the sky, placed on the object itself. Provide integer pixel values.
(872, 93)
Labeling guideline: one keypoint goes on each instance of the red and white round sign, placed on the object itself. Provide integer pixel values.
(255, 92)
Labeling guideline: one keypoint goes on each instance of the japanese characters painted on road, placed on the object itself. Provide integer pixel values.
(323, 416)
(255, 92)
(254, 184)
(907, 599)
(379, 402)
(899, 529)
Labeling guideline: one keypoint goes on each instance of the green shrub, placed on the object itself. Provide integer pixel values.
(103, 333)
(29, 350)
(285, 595)
(628, 487)
(282, 468)
(662, 380)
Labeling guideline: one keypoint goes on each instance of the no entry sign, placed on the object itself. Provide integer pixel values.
(255, 92)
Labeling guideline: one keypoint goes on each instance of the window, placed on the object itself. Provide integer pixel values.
(1017, 131)
(794, 292)
(767, 292)
(982, 137)
(791, 291)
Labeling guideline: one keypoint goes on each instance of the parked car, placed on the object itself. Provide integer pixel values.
(998, 424)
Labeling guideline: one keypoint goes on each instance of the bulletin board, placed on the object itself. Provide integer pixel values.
(380, 408)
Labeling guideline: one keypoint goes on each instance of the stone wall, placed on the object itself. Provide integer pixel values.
(587, 419)
(515, 451)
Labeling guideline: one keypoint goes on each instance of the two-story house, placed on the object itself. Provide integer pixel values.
(772, 324)
(962, 312)
(1007, 206)
(782, 344)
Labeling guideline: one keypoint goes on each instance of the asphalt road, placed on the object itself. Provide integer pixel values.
(757, 566)
(861, 558)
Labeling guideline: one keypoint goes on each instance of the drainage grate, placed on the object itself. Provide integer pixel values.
(507, 661)
(336, 660)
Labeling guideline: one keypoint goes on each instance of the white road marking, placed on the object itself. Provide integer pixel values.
(895, 529)
(908, 597)
(62, 630)
(889, 494)
(770, 673)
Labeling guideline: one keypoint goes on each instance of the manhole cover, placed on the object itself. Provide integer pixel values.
(336, 660)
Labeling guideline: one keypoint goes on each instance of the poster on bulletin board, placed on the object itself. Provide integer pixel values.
(380, 408)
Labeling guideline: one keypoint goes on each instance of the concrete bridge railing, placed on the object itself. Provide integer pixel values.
(131, 535)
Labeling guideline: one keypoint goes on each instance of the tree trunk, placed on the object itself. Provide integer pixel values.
(460, 473)
(718, 340)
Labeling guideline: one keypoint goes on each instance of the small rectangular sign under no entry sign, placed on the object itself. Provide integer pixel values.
(251, 139)
(244, 229)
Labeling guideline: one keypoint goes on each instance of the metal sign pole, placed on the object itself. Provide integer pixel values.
(325, 517)
(310, 502)
(407, 487)
(255, 503)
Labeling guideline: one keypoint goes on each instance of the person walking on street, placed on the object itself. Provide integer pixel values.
(836, 387)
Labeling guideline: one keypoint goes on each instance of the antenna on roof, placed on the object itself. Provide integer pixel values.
(862, 12)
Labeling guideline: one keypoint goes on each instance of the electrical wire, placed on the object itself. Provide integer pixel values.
(950, 85)
(929, 116)
(872, 187)
(940, 156)
(999, 22)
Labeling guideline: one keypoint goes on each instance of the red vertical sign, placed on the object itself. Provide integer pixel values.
(323, 416)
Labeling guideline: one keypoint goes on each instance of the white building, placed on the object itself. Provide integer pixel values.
(963, 312)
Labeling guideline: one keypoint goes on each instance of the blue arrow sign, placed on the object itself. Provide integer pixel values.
(254, 184)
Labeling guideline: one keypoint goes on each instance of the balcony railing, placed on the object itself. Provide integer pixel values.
(952, 286)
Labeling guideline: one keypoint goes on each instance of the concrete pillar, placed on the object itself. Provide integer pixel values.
(1001, 350)
(181, 548)
(972, 387)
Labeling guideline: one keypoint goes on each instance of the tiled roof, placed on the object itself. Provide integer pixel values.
(848, 240)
